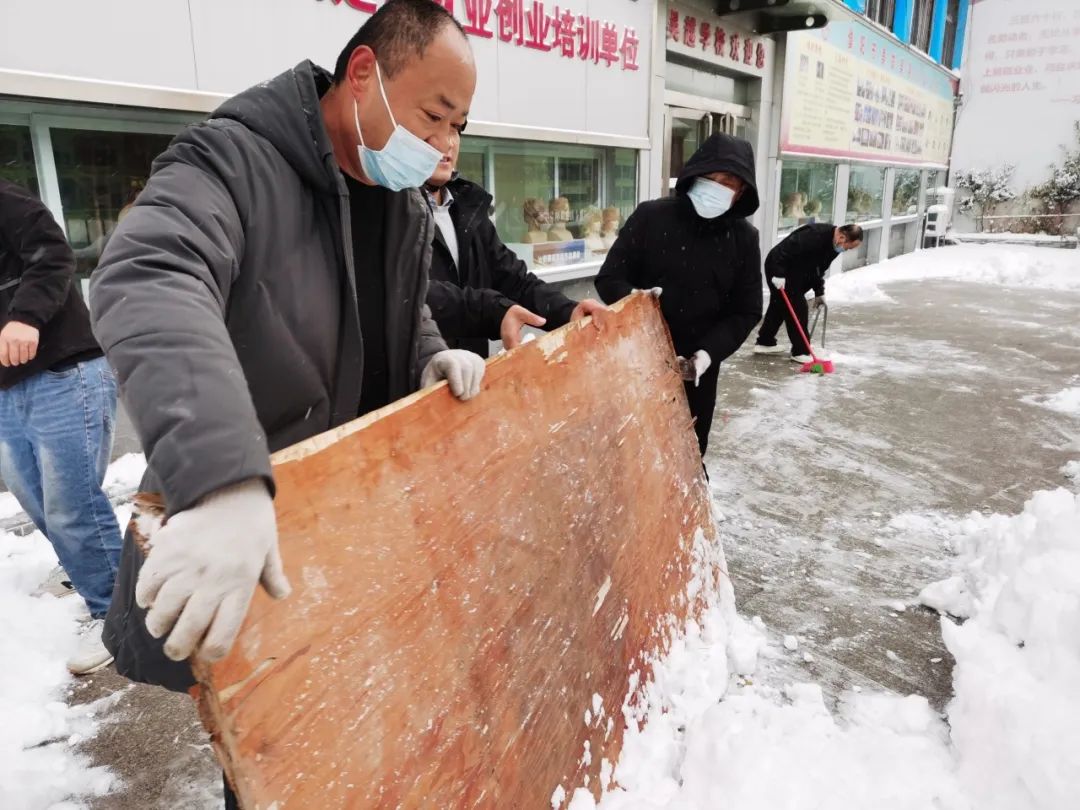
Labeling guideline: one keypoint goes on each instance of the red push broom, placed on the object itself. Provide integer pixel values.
(817, 365)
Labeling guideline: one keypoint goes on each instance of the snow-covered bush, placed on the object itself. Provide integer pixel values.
(985, 188)
(1062, 190)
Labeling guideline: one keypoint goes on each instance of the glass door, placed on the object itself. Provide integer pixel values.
(687, 129)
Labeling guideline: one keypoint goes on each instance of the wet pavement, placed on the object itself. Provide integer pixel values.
(924, 413)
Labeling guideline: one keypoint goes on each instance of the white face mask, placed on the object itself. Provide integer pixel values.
(405, 162)
(710, 199)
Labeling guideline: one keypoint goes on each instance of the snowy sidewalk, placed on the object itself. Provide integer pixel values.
(844, 497)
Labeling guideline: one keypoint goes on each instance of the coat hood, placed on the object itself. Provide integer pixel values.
(471, 199)
(285, 110)
(724, 153)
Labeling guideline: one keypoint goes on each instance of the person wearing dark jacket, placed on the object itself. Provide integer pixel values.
(699, 249)
(57, 408)
(797, 265)
(480, 290)
(267, 286)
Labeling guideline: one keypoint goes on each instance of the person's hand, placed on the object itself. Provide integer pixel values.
(515, 319)
(693, 367)
(202, 569)
(819, 301)
(18, 344)
(601, 315)
(778, 282)
(462, 370)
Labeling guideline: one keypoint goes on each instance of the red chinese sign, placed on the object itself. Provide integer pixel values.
(711, 37)
(528, 24)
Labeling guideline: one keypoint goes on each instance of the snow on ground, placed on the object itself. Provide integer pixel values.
(1012, 266)
(1065, 401)
(709, 732)
(40, 765)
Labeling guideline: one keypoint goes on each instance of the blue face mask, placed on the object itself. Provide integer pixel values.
(710, 199)
(405, 162)
(839, 248)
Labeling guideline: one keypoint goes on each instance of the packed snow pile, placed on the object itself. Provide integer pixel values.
(1005, 266)
(40, 764)
(1015, 717)
(710, 730)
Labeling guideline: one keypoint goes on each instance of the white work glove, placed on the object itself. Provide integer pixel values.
(778, 282)
(203, 566)
(697, 365)
(463, 370)
(655, 292)
(818, 302)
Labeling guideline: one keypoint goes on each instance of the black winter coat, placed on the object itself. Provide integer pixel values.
(709, 269)
(468, 300)
(37, 285)
(226, 301)
(803, 258)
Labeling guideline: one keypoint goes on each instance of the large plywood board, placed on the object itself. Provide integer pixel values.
(469, 579)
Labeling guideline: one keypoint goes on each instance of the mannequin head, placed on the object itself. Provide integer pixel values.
(560, 210)
(592, 221)
(610, 221)
(535, 213)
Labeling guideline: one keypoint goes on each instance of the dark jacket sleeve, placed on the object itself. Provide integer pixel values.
(819, 283)
(48, 264)
(620, 274)
(464, 312)
(158, 301)
(431, 341)
(745, 303)
(511, 278)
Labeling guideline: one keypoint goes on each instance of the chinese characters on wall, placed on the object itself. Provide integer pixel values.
(1031, 53)
(714, 40)
(541, 27)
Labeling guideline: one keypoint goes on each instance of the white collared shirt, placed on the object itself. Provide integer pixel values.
(444, 223)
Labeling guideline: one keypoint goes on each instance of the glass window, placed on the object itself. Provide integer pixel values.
(866, 190)
(920, 30)
(905, 198)
(17, 157)
(100, 175)
(555, 204)
(806, 193)
(952, 17)
(881, 11)
(471, 165)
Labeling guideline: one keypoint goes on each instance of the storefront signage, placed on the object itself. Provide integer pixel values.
(850, 92)
(704, 36)
(541, 27)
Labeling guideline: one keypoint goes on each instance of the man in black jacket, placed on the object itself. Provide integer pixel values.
(57, 408)
(699, 249)
(267, 286)
(480, 290)
(797, 265)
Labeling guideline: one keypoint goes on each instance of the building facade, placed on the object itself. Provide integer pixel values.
(582, 109)
(1021, 109)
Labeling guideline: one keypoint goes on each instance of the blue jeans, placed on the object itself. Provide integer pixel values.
(56, 434)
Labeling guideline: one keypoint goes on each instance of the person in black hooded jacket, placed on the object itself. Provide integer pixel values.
(699, 249)
(480, 290)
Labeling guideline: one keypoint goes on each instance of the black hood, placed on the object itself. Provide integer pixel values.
(285, 110)
(724, 153)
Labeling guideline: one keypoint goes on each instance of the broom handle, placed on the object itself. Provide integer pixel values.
(798, 325)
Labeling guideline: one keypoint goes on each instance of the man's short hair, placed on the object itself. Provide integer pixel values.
(397, 32)
(852, 233)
